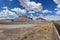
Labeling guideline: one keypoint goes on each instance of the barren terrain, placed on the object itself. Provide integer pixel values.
(37, 32)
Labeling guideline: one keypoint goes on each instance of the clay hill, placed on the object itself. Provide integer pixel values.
(22, 20)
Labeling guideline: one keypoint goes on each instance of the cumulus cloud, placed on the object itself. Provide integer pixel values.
(46, 11)
(18, 10)
(58, 12)
(33, 17)
(11, 13)
(7, 14)
(52, 17)
(57, 7)
(57, 1)
(31, 5)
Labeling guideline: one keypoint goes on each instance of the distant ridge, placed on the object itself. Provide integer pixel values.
(40, 19)
(22, 20)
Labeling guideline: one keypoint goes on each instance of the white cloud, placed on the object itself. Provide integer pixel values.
(6, 14)
(46, 11)
(31, 11)
(57, 1)
(31, 5)
(51, 17)
(58, 12)
(57, 7)
(5, 7)
(18, 10)
(33, 17)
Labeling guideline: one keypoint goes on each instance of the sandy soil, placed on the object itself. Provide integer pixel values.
(39, 32)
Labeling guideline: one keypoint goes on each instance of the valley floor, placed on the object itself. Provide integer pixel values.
(28, 32)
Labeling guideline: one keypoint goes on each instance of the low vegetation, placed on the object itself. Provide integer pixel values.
(39, 32)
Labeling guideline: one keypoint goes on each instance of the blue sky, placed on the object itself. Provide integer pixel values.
(47, 9)
(47, 4)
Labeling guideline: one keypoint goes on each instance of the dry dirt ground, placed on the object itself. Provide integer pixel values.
(39, 32)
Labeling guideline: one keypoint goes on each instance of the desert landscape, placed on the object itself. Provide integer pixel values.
(43, 31)
(29, 19)
(27, 33)
(25, 28)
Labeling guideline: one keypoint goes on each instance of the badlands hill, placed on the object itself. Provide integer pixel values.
(22, 20)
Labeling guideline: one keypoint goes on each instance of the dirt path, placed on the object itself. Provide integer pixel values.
(17, 26)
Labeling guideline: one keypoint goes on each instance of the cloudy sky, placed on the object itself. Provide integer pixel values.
(47, 9)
